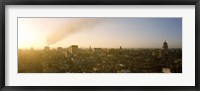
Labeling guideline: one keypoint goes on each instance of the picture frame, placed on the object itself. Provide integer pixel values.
(99, 2)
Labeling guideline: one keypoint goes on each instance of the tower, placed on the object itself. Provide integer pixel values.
(90, 48)
(46, 48)
(73, 49)
(165, 48)
(165, 45)
(165, 55)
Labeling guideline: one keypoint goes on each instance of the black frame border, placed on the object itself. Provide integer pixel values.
(3, 3)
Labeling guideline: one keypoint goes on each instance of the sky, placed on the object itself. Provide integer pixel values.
(99, 32)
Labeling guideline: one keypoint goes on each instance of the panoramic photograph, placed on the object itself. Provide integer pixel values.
(99, 45)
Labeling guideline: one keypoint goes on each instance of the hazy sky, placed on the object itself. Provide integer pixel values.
(99, 32)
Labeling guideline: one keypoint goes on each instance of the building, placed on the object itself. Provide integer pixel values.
(165, 55)
(98, 50)
(166, 70)
(59, 48)
(90, 48)
(165, 49)
(165, 45)
(73, 49)
(162, 52)
(46, 48)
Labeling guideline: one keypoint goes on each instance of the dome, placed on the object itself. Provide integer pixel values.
(165, 43)
(165, 46)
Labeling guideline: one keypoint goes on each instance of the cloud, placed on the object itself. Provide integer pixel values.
(74, 26)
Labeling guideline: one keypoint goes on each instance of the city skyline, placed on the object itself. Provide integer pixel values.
(105, 32)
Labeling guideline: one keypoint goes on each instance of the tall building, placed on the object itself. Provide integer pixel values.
(162, 52)
(165, 45)
(165, 48)
(90, 48)
(165, 56)
(73, 49)
(120, 47)
(46, 48)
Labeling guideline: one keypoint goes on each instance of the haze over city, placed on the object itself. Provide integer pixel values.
(128, 32)
(100, 45)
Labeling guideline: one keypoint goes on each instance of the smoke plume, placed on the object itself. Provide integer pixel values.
(74, 26)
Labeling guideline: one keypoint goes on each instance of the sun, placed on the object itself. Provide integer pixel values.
(24, 39)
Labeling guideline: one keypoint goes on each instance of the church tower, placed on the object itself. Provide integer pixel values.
(165, 45)
(165, 48)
